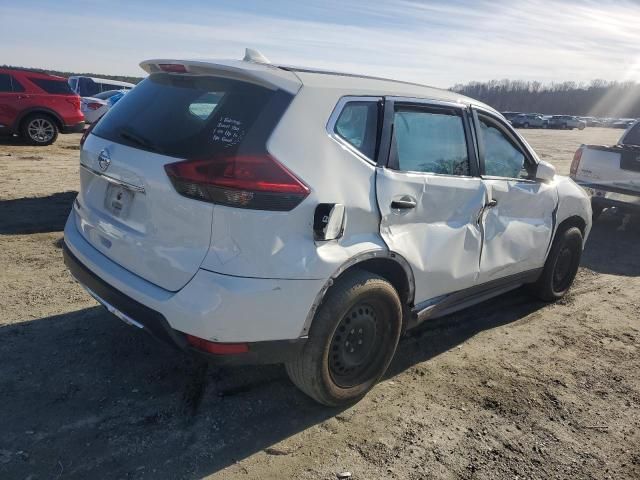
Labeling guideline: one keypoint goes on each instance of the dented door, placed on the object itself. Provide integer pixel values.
(518, 218)
(518, 229)
(439, 236)
(430, 195)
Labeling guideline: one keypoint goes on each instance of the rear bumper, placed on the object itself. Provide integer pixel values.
(605, 197)
(75, 128)
(268, 315)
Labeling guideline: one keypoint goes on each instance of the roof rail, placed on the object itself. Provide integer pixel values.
(251, 55)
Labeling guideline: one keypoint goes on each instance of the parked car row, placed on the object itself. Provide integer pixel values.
(38, 106)
(538, 120)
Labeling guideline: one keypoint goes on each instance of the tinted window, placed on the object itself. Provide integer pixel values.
(430, 141)
(502, 158)
(5, 83)
(17, 86)
(87, 87)
(633, 136)
(358, 125)
(60, 87)
(193, 116)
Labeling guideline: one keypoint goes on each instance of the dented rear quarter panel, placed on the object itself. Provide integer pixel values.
(262, 244)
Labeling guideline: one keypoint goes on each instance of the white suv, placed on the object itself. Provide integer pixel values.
(258, 213)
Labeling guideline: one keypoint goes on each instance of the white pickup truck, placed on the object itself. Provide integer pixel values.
(611, 174)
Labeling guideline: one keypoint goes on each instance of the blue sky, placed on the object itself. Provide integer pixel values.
(438, 43)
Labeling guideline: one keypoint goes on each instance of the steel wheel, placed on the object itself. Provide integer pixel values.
(41, 130)
(354, 345)
(562, 273)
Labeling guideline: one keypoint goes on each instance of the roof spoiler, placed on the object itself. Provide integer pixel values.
(253, 68)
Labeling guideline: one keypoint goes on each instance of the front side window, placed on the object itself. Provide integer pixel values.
(430, 141)
(358, 125)
(502, 157)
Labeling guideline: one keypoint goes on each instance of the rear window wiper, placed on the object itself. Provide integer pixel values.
(137, 139)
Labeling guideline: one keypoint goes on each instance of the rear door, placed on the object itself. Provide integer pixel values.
(128, 208)
(12, 100)
(518, 221)
(429, 194)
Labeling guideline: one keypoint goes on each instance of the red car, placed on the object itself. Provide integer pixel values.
(37, 106)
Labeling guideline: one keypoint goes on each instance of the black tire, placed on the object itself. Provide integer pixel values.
(561, 266)
(39, 129)
(596, 211)
(352, 340)
(526, 125)
(564, 126)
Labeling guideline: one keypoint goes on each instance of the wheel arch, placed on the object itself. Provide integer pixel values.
(389, 265)
(42, 110)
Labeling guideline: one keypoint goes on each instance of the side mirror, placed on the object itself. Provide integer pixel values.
(545, 172)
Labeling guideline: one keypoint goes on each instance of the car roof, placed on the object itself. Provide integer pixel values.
(291, 79)
(30, 73)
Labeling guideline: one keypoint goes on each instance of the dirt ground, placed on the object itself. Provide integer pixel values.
(512, 389)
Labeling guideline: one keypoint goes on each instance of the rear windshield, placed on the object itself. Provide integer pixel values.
(633, 136)
(60, 87)
(194, 116)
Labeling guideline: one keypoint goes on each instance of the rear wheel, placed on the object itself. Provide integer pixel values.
(561, 266)
(39, 129)
(352, 340)
(526, 125)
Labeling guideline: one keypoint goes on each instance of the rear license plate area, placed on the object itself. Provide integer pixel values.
(118, 200)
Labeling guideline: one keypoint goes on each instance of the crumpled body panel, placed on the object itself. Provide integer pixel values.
(440, 237)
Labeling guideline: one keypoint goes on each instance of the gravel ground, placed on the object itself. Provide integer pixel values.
(510, 389)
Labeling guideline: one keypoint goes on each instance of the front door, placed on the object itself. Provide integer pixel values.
(430, 195)
(519, 220)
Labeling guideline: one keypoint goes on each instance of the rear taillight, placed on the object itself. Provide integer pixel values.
(257, 182)
(94, 105)
(86, 133)
(75, 101)
(575, 163)
(217, 348)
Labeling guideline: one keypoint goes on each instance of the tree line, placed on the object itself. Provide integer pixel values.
(120, 78)
(598, 98)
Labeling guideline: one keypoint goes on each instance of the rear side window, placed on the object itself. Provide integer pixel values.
(633, 136)
(194, 116)
(430, 141)
(357, 124)
(59, 87)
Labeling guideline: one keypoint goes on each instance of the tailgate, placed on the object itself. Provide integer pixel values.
(610, 167)
(132, 214)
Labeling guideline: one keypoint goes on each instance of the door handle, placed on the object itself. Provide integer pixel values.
(404, 203)
(492, 203)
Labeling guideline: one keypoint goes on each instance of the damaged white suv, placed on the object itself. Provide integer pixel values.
(257, 213)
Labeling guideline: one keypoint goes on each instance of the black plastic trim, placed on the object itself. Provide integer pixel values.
(461, 299)
(275, 351)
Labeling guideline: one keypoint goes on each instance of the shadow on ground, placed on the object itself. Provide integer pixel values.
(84, 393)
(84, 396)
(614, 245)
(35, 215)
